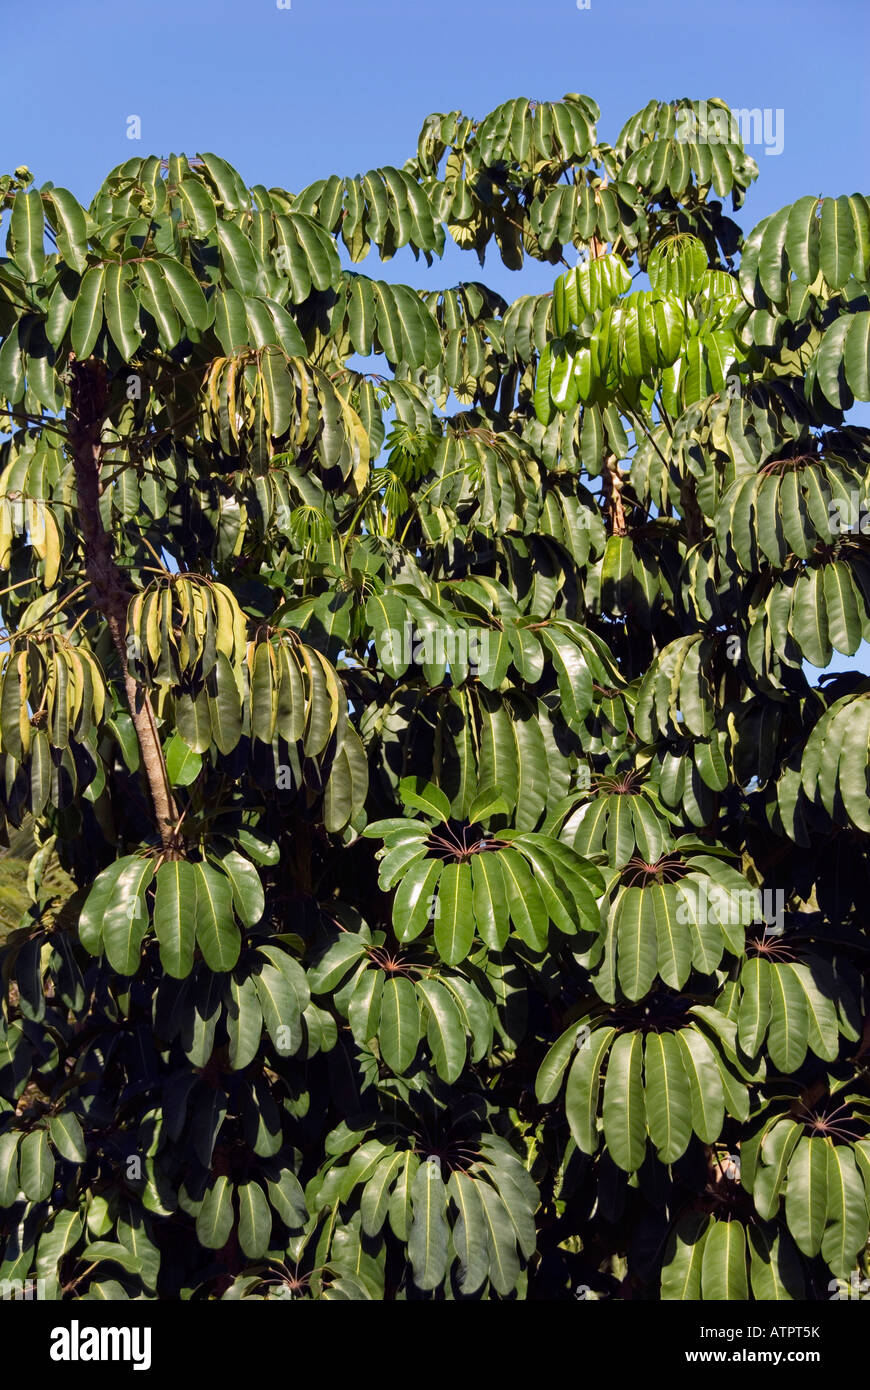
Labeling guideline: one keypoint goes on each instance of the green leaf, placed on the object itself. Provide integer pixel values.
(754, 1013)
(198, 206)
(827, 367)
(552, 1069)
(489, 902)
(102, 893)
(488, 802)
(418, 795)
(318, 249)
(224, 705)
(182, 764)
(237, 258)
(623, 1110)
(71, 228)
(244, 1022)
(364, 1006)
(9, 1181)
(335, 963)
(777, 1147)
(853, 765)
(125, 916)
(705, 1084)
(555, 892)
(100, 1251)
(399, 857)
(427, 1238)
(469, 1231)
(673, 940)
(842, 611)
(230, 320)
(186, 292)
(36, 1165)
(774, 1266)
(121, 310)
(504, 1265)
(214, 1220)
(415, 899)
(257, 847)
(155, 298)
(175, 916)
(66, 1135)
(723, 1268)
(787, 1035)
(400, 1024)
(856, 356)
(283, 993)
(837, 241)
(772, 267)
(524, 901)
(57, 1240)
(802, 239)
(542, 401)
(288, 1199)
(217, 935)
(26, 231)
(667, 1097)
(375, 1199)
(255, 1220)
(806, 1194)
(584, 1084)
(636, 941)
(676, 266)
(445, 1030)
(87, 316)
(12, 366)
(454, 915)
(248, 898)
(683, 1259)
(846, 1221)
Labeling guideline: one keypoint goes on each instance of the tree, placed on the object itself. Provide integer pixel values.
(468, 879)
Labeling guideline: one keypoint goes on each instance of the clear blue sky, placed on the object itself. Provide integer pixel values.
(341, 86)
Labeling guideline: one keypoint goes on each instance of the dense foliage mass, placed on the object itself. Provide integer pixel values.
(468, 881)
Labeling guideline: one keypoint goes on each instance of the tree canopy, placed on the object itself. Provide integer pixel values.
(446, 877)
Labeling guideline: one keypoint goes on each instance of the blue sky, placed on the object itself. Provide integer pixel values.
(289, 95)
(340, 86)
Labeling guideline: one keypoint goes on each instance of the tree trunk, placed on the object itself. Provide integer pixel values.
(108, 586)
(613, 485)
